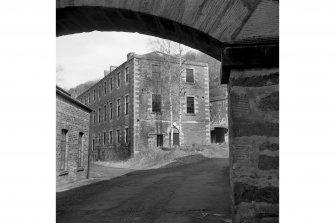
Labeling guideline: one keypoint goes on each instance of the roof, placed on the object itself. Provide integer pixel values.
(62, 93)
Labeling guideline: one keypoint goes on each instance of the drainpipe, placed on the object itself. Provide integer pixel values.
(89, 150)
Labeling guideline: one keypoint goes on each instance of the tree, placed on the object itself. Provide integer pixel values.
(172, 52)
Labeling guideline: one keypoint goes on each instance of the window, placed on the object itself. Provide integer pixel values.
(190, 105)
(80, 149)
(99, 115)
(93, 142)
(93, 117)
(89, 98)
(118, 107)
(105, 112)
(156, 69)
(105, 87)
(118, 79)
(159, 140)
(104, 138)
(127, 75)
(111, 110)
(110, 137)
(118, 136)
(63, 150)
(156, 103)
(126, 134)
(190, 75)
(99, 93)
(100, 139)
(111, 85)
(126, 104)
(94, 95)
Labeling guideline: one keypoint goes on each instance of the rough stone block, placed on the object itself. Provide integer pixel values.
(269, 146)
(268, 162)
(247, 193)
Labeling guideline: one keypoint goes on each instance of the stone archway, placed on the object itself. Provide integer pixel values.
(244, 35)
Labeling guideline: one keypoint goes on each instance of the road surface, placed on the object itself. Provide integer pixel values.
(196, 192)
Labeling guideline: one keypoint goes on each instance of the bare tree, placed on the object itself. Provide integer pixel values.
(172, 52)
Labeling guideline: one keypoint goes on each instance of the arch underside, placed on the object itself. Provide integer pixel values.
(79, 19)
(73, 20)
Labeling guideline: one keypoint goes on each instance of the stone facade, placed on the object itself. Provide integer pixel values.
(72, 138)
(145, 127)
(219, 121)
(218, 97)
(254, 144)
(104, 96)
(194, 128)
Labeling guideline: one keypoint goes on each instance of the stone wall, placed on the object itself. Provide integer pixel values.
(74, 119)
(112, 150)
(254, 144)
(194, 128)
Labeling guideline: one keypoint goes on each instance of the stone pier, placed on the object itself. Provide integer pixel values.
(253, 92)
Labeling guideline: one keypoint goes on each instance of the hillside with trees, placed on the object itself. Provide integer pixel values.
(76, 91)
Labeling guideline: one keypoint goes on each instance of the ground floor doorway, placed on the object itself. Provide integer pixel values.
(218, 135)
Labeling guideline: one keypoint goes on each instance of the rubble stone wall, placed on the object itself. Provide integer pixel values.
(254, 144)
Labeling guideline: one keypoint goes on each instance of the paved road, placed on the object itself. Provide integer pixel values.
(197, 192)
(97, 173)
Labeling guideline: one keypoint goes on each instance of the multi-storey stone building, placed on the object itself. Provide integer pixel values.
(131, 106)
(72, 138)
(218, 97)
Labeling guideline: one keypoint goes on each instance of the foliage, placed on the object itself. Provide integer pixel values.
(79, 89)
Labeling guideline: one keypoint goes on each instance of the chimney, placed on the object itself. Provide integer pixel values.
(130, 55)
(111, 68)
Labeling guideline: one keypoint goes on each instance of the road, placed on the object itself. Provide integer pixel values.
(196, 192)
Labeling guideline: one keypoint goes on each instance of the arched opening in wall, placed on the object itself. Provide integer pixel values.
(219, 135)
(130, 123)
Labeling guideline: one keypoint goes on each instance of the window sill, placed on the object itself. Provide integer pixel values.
(190, 114)
(156, 113)
(63, 172)
(80, 169)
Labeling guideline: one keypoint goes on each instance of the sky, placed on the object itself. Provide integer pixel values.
(84, 57)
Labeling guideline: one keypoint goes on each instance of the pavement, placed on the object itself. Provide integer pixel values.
(197, 192)
(97, 173)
